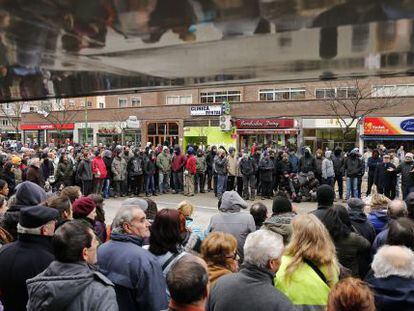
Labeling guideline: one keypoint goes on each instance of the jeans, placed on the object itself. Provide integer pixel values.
(178, 181)
(249, 180)
(329, 181)
(370, 183)
(106, 186)
(351, 187)
(406, 190)
(221, 185)
(164, 181)
(149, 184)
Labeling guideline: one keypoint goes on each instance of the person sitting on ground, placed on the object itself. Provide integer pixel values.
(26, 257)
(396, 209)
(252, 288)
(188, 284)
(259, 212)
(186, 209)
(72, 192)
(139, 282)
(325, 196)
(309, 267)
(232, 220)
(100, 226)
(359, 219)
(393, 278)
(62, 204)
(353, 250)
(282, 215)
(378, 215)
(351, 294)
(219, 250)
(71, 282)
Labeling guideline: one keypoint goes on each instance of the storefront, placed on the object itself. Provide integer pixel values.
(274, 133)
(208, 136)
(161, 132)
(392, 132)
(44, 133)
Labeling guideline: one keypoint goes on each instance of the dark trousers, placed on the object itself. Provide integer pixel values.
(340, 181)
(388, 191)
(199, 182)
(249, 181)
(359, 186)
(239, 181)
(97, 185)
(329, 181)
(87, 187)
(230, 182)
(370, 183)
(178, 181)
(209, 179)
(215, 183)
(120, 187)
(267, 188)
(136, 184)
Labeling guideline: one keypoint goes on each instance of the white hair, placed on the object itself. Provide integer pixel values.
(393, 260)
(262, 246)
(124, 215)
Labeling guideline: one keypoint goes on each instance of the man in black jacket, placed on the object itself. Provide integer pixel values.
(352, 169)
(359, 220)
(406, 169)
(386, 178)
(135, 169)
(28, 256)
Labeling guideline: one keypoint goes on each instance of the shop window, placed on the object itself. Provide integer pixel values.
(4, 122)
(122, 102)
(219, 97)
(32, 108)
(89, 104)
(152, 129)
(173, 129)
(162, 128)
(135, 102)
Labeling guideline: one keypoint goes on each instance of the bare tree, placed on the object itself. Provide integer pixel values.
(352, 102)
(12, 112)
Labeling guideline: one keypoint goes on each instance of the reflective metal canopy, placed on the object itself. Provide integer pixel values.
(60, 48)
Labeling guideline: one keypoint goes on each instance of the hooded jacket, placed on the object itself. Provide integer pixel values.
(164, 162)
(84, 170)
(232, 164)
(70, 287)
(361, 225)
(232, 220)
(307, 164)
(378, 219)
(353, 166)
(328, 166)
(220, 165)
(281, 224)
(177, 161)
(98, 168)
(266, 167)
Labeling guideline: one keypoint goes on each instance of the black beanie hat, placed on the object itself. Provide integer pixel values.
(37, 216)
(281, 205)
(325, 195)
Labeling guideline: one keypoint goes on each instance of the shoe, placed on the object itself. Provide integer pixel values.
(155, 194)
(202, 192)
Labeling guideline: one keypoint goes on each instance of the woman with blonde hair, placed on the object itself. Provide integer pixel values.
(186, 210)
(219, 250)
(378, 215)
(309, 267)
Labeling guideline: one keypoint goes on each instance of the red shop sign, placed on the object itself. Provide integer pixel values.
(65, 126)
(264, 123)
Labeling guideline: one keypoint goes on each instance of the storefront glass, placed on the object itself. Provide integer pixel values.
(160, 132)
(131, 135)
(85, 139)
(59, 137)
(108, 139)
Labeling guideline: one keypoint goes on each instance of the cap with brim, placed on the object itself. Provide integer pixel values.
(37, 216)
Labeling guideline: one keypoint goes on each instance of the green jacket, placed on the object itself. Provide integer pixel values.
(164, 162)
(304, 288)
(201, 164)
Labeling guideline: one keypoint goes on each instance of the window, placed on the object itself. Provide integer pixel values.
(179, 100)
(281, 94)
(135, 102)
(122, 102)
(341, 92)
(4, 122)
(71, 103)
(89, 103)
(32, 108)
(219, 97)
(101, 105)
(393, 90)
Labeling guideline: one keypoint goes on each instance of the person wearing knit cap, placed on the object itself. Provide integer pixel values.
(406, 169)
(359, 219)
(28, 256)
(232, 220)
(84, 209)
(325, 196)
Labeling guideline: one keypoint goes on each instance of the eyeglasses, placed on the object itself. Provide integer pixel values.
(234, 257)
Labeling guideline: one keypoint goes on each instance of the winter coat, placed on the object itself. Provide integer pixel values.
(384, 178)
(119, 169)
(407, 176)
(84, 289)
(280, 224)
(108, 165)
(47, 168)
(294, 161)
(84, 170)
(284, 167)
(135, 166)
(220, 166)
(361, 225)
(307, 164)
(353, 253)
(34, 174)
(210, 160)
(201, 164)
(249, 289)
(378, 219)
(164, 162)
(19, 261)
(215, 272)
(304, 288)
(372, 165)
(177, 162)
(64, 173)
(352, 166)
(248, 166)
(392, 293)
(327, 168)
(321, 211)
(98, 168)
(338, 164)
(232, 165)
(191, 164)
(380, 240)
(318, 162)
(149, 168)
(266, 167)
(139, 282)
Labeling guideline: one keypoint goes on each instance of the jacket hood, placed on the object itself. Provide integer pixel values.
(29, 194)
(231, 202)
(328, 154)
(281, 224)
(357, 216)
(382, 215)
(57, 286)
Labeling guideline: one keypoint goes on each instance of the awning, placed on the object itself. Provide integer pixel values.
(267, 131)
(391, 137)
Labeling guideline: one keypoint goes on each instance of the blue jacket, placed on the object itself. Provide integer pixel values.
(379, 219)
(294, 160)
(139, 282)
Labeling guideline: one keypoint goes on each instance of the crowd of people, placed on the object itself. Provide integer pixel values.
(58, 252)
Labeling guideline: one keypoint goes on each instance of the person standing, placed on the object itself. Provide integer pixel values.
(119, 173)
(220, 167)
(328, 171)
(189, 172)
(386, 178)
(307, 163)
(200, 177)
(64, 172)
(248, 169)
(318, 161)
(406, 169)
(107, 158)
(84, 173)
(99, 172)
(34, 173)
(135, 168)
(164, 166)
(372, 163)
(338, 163)
(150, 169)
(231, 168)
(211, 154)
(177, 167)
(352, 169)
(266, 167)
